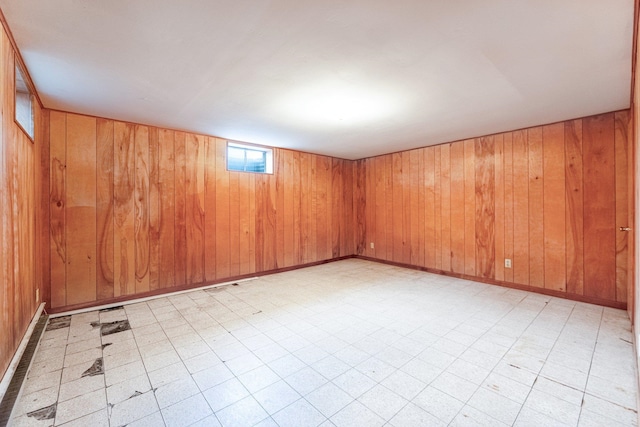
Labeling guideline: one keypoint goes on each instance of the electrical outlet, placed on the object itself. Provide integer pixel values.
(507, 263)
(372, 245)
(37, 295)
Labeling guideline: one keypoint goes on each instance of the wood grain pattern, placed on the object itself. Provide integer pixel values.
(154, 208)
(104, 209)
(599, 207)
(123, 208)
(469, 207)
(398, 203)
(574, 216)
(520, 208)
(498, 141)
(554, 226)
(180, 224)
(210, 242)
(485, 207)
(508, 204)
(445, 207)
(457, 207)
(57, 202)
(429, 208)
(166, 209)
(194, 152)
(437, 190)
(536, 212)
(623, 132)
(222, 213)
(81, 209)
(416, 242)
(141, 208)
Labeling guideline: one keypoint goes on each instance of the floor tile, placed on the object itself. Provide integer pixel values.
(245, 412)
(80, 406)
(354, 382)
(299, 413)
(439, 404)
(329, 399)
(133, 409)
(276, 396)
(383, 402)
(187, 412)
(305, 380)
(356, 414)
(174, 392)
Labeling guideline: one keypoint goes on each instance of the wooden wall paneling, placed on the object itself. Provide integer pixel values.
(81, 209)
(369, 207)
(398, 205)
(429, 208)
(359, 205)
(6, 316)
(123, 208)
(520, 155)
(154, 209)
(279, 209)
(388, 206)
(485, 207)
(445, 210)
(210, 234)
(406, 207)
(380, 209)
(288, 215)
(271, 236)
(313, 208)
(508, 203)
(599, 207)
(421, 207)
(104, 209)
(222, 213)
(337, 206)
(498, 141)
(195, 213)
(298, 210)
(417, 247)
(438, 206)
(180, 225)
(57, 208)
(141, 208)
(574, 213)
(631, 212)
(322, 213)
(252, 223)
(623, 132)
(554, 191)
(536, 212)
(469, 207)
(348, 247)
(457, 207)
(234, 223)
(44, 209)
(305, 208)
(166, 208)
(245, 214)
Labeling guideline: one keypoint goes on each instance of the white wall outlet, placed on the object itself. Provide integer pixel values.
(37, 295)
(372, 245)
(507, 263)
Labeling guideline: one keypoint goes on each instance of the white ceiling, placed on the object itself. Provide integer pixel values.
(347, 78)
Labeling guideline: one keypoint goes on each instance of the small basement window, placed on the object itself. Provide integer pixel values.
(249, 158)
(24, 103)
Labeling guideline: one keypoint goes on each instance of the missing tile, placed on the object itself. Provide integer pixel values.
(96, 369)
(114, 327)
(104, 310)
(46, 413)
(59, 323)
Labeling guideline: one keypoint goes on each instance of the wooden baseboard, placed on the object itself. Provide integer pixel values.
(550, 292)
(157, 292)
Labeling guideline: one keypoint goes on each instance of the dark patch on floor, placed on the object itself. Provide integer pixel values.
(106, 345)
(96, 369)
(104, 310)
(59, 323)
(215, 290)
(95, 324)
(114, 327)
(46, 413)
(235, 284)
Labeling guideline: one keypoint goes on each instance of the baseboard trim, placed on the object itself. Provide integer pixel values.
(13, 379)
(549, 292)
(160, 293)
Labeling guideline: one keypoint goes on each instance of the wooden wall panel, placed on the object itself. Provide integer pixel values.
(81, 209)
(548, 198)
(499, 218)
(536, 212)
(104, 209)
(574, 214)
(123, 207)
(554, 226)
(485, 207)
(141, 208)
(623, 134)
(457, 207)
(599, 207)
(469, 208)
(164, 212)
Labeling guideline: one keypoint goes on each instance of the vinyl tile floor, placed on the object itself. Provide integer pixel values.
(349, 343)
